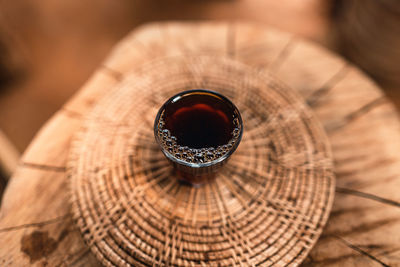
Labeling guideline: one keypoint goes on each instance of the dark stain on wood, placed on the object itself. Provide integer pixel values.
(38, 245)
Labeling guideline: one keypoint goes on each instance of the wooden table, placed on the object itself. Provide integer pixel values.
(363, 128)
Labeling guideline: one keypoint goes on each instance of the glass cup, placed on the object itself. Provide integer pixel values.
(198, 130)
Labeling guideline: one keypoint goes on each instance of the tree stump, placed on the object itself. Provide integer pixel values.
(362, 126)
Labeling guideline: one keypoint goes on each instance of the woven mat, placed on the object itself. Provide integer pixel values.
(266, 206)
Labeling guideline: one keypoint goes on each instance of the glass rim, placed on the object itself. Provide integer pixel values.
(171, 157)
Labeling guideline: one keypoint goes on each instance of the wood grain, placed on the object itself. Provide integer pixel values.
(363, 128)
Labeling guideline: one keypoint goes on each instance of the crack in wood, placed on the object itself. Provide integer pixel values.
(36, 224)
(364, 109)
(356, 114)
(163, 31)
(362, 228)
(308, 260)
(313, 99)
(388, 251)
(370, 183)
(361, 251)
(367, 196)
(71, 113)
(146, 48)
(44, 167)
(116, 75)
(373, 165)
(328, 261)
(340, 212)
(231, 40)
(78, 257)
(283, 55)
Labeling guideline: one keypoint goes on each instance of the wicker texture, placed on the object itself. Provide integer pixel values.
(266, 206)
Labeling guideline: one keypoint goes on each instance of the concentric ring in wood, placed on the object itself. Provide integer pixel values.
(267, 206)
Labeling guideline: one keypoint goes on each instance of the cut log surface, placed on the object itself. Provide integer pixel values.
(363, 229)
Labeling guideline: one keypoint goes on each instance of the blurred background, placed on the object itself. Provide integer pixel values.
(48, 48)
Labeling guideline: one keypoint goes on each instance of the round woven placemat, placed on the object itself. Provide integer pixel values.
(266, 206)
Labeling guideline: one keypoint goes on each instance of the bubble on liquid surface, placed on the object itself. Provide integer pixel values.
(195, 155)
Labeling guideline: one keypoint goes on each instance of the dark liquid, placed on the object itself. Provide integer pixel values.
(198, 127)
(200, 121)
